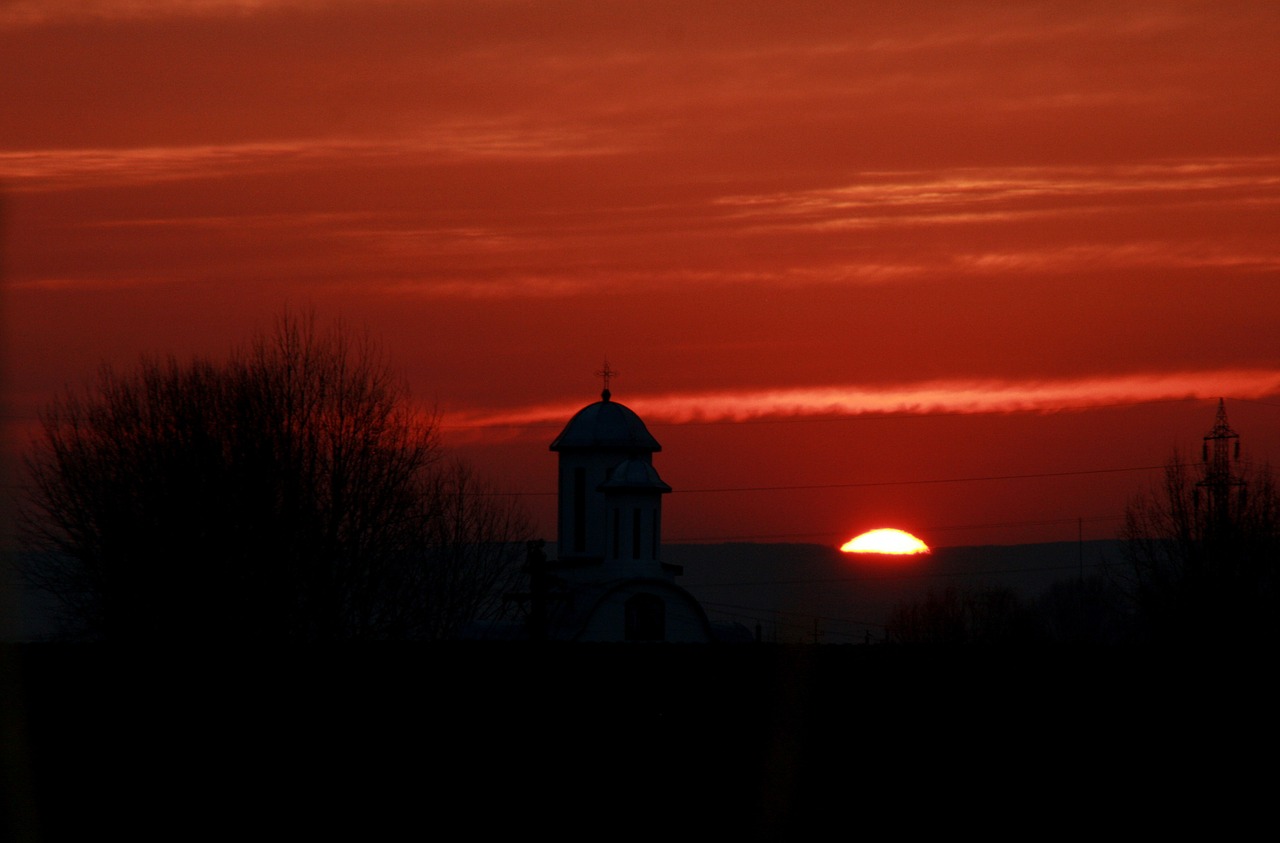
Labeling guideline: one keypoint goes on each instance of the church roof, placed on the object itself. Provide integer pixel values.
(635, 474)
(606, 424)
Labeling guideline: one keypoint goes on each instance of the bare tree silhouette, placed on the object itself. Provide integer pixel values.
(1202, 550)
(475, 544)
(291, 492)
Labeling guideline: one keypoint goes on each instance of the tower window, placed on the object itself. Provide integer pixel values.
(635, 533)
(579, 510)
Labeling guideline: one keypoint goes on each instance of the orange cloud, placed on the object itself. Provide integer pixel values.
(64, 169)
(19, 13)
(922, 398)
(963, 195)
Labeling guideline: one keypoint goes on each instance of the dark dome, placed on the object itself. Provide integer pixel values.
(606, 424)
(635, 474)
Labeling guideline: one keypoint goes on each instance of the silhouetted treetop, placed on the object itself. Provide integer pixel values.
(1203, 548)
(290, 492)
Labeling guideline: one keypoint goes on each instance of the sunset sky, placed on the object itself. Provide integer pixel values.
(967, 269)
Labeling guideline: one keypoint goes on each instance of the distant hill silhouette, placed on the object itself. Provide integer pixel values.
(784, 587)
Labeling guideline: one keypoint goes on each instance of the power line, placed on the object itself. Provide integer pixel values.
(1254, 401)
(925, 482)
(1047, 522)
(904, 575)
(881, 483)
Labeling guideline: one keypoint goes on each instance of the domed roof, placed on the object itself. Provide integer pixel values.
(635, 474)
(605, 424)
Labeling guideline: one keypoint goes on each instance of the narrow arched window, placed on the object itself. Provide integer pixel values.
(579, 510)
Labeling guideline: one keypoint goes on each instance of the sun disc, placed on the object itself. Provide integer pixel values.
(886, 540)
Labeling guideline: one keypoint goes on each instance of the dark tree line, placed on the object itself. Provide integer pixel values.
(1075, 611)
(964, 616)
(288, 493)
(1202, 555)
(1200, 565)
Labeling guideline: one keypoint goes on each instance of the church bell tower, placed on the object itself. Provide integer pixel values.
(610, 495)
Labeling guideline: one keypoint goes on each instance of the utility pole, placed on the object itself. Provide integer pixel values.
(1220, 452)
(1080, 546)
(1080, 584)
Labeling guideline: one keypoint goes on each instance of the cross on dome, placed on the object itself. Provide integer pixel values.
(606, 373)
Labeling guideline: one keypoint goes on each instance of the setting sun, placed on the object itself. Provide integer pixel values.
(885, 541)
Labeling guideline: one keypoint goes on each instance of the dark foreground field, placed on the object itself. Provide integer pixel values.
(582, 741)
